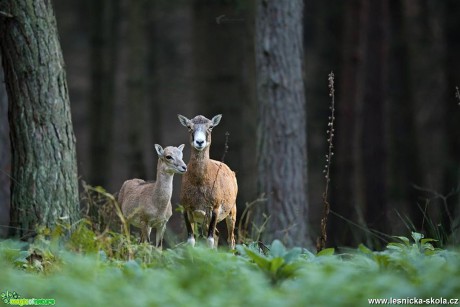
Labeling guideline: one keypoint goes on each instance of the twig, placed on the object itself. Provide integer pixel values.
(5, 14)
(321, 240)
(246, 217)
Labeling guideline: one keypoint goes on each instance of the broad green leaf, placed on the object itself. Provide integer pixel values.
(364, 249)
(292, 255)
(276, 264)
(326, 252)
(277, 249)
(260, 260)
(426, 240)
(404, 239)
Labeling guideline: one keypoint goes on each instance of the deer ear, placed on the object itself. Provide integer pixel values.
(216, 120)
(159, 150)
(184, 120)
(181, 147)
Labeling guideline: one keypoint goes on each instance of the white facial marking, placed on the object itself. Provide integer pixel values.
(191, 241)
(199, 141)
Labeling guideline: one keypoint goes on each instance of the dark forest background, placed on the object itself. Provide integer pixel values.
(132, 66)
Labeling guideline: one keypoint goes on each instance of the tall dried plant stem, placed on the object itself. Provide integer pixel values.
(321, 240)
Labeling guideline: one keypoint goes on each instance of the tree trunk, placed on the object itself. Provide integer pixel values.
(282, 152)
(104, 53)
(44, 189)
(349, 92)
(373, 114)
(136, 88)
(452, 111)
(404, 166)
(5, 161)
(426, 41)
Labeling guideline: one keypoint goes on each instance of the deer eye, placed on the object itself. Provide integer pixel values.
(169, 157)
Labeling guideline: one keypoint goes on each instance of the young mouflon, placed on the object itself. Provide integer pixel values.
(147, 205)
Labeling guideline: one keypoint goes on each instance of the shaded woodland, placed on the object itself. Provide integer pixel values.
(132, 66)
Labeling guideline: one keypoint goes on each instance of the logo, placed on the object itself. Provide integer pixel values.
(12, 298)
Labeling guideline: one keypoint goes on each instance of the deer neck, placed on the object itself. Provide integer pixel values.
(164, 182)
(198, 161)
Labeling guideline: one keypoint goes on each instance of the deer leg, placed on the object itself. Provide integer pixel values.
(189, 226)
(212, 227)
(231, 220)
(145, 232)
(159, 235)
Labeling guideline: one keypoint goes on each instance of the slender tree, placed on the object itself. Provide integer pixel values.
(281, 152)
(44, 187)
(372, 140)
(136, 87)
(5, 161)
(349, 92)
(105, 20)
(452, 109)
(403, 155)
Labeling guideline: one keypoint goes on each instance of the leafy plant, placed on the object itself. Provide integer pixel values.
(278, 264)
(420, 245)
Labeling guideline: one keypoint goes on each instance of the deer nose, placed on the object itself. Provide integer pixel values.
(183, 168)
(199, 143)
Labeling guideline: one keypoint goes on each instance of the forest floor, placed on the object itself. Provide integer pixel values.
(86, 269)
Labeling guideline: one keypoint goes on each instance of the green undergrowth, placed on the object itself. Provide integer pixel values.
(85, 269)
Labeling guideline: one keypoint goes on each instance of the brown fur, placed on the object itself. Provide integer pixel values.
(147, 205)
(209, 186)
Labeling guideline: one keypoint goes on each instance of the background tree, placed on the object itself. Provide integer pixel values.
(195, 65)
(403, 162)
(282, 152)
(105, 21)
(372, 134)
(44, 188)
(136, 77)
(349, 92)
(5, 161)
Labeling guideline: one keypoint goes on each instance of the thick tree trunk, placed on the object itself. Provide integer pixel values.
(282, 152)
(44, 188)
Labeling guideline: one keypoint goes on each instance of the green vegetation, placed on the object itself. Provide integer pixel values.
(86, 269)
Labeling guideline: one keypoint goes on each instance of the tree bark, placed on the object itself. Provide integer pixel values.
(44, 189)
(281, 152)
(5, 161)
